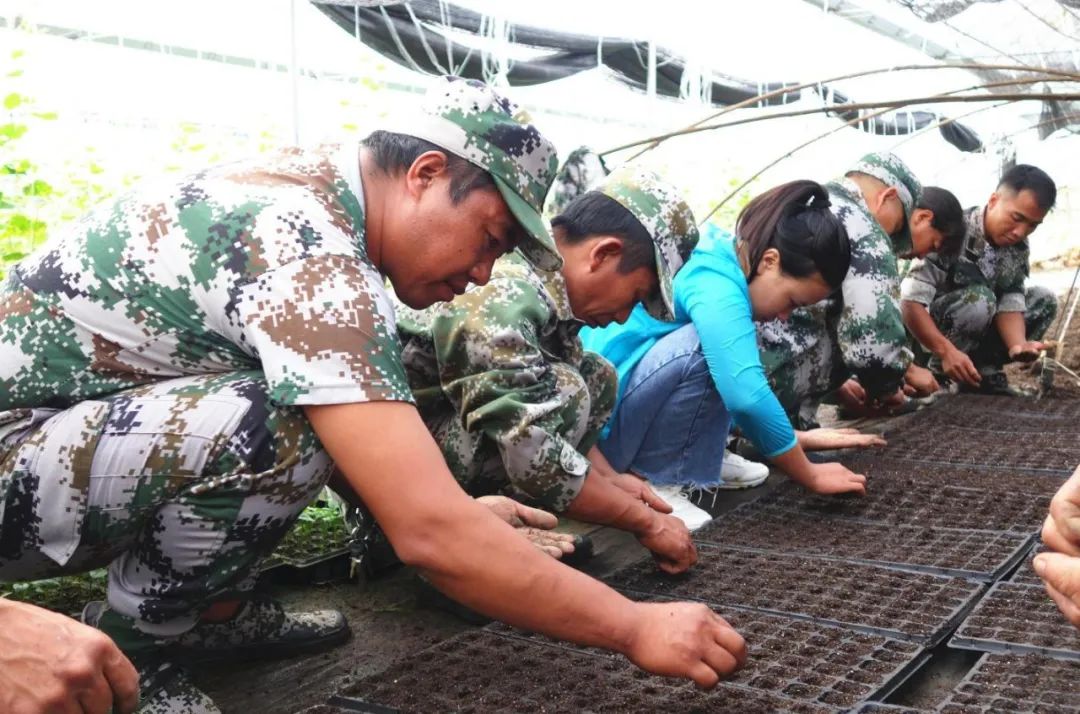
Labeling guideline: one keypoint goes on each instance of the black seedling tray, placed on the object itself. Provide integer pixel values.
(1048, 409)
(481, 671)
(1019, 618)
(879, 469)
(880, 708)
(1031, 683)
(976, 554)
(914, 502)
(916, 607)
(1025, 574)
(803, 660)
(1056, 453)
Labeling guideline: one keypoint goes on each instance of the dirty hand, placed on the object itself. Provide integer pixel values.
(669, 541)
(852, 395)
(959, 367)
(681, 639)
(822, 439)
(834, 478)
(532, 523)
(640, 489)
(51, 663)
(1026, 351)
(1061, 530)
(920, 380)
(1061, 575)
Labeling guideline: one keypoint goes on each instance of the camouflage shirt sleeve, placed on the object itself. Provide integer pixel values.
(1014, 269)
(323, 329)
(924, 280)
(870, 330)
(503, 386)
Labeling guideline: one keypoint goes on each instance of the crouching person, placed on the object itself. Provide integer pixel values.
(501, 378)
(183, 370)
(682, 383)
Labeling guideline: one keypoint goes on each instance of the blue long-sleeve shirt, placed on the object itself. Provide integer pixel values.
(711, 292)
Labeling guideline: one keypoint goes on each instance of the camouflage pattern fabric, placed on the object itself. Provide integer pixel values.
(861, 327)
(1002, 269)
(583, 171)
(661, 210)
(965, 292)
(261, 264)
(468, 118)
(503, 384)
(893, 172)
(182, 485)
(965, 316)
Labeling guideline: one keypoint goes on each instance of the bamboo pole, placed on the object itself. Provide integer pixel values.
(839, 78)
(840, 108)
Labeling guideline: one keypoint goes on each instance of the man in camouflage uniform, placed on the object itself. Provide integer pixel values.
(181, 371)
(972, 312)
(506, 389)
(859, 331)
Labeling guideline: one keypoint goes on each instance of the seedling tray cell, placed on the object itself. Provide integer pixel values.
(982, 555)
(1056, 453)
(1019, 618)
(916, 607)
(914, 502)
(481, 671)
(1030, 683)
(805, 660)
(879, 470)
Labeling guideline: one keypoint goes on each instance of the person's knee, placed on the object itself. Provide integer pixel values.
(573, 389)
(969, 312)
(1042, 307)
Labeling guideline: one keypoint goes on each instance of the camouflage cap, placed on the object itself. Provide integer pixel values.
(892, 171)
(660, 208)
(471, 120)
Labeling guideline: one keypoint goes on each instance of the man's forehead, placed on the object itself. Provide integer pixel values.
(1024, 201)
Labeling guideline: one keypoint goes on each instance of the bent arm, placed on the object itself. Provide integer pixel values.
(466, 551)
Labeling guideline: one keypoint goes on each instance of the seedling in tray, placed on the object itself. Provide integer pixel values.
(66, 594)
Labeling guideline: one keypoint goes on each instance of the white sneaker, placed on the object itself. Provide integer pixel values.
(737, 472)
(681, 507)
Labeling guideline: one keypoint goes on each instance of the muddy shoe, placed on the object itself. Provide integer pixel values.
(263, 629)
(165, 688)
(995, 383)
(260, 629)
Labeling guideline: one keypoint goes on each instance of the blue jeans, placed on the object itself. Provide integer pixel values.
(671, 425)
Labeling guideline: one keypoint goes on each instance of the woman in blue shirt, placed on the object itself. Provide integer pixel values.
(682, 383)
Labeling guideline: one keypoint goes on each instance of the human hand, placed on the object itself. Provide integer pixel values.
(532, 523)
(1026, 351)
(824, 439)
(51, 663)
(959, 367)
(640, 489)
(1061, 575)
(920, 380)
(669, 540)
(852, 395)
(833, 478)
(688, 640)
(1061, 529)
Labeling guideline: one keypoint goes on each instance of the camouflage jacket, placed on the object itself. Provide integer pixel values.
(484, 362)
(865, 315)
(253, 265)
(1003, 269)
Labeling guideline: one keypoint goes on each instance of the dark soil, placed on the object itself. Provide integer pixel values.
(900, 604)
(918, 502)
(1019, 614)
(1017, 683)
(485, 672)
(980, 554)
(879, 470)
(804, 660)
(990, 449)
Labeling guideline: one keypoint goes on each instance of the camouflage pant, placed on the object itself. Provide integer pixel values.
(586, 396)
(803, 363)
(180, 486)
(965, 316)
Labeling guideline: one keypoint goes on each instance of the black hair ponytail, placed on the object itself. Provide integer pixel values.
(794, 218)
